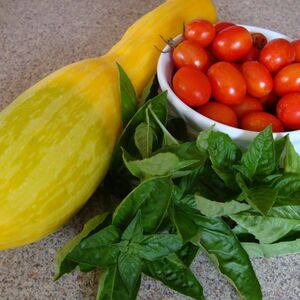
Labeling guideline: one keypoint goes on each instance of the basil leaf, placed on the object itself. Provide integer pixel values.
(177, 127)
(202, 139)
(99, 249)
(185, 151)
(143, 137)
(112, 287)
(161, 164)
(184, 224)
(62, 264)
(191, 183)
(156, 246)
(187, 253)
(175, 274)
(128, 97)
(222, 247)
(150, 90)
(292, 159)
(272, 250)
(168, 139)
(260, 197)
(211, 208)
(159, 106)
(243, 234)
(130, 268)
(288, 187)
(268, 229)
(280, 146)
(204, 180)
(152, 197)
(134, 231)
(260, 159)
(223, 152)
(188, 200)
(189, 157)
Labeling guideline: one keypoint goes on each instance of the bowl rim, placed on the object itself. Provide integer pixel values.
(189, 112)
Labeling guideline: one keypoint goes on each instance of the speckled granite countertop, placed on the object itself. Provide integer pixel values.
(39, 36)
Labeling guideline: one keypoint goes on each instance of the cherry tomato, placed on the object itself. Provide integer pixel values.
(288, 110)
(296, 46)
(277, 54)
(189, 53)
(287, 80)
(269, 101)
(227, 82)
(249, 104)
(259, 40)
(201, 31)
(219, 112)
(253, 54)
(232, 43)
(258, 79)
(191, 86)
(259, 120)
(211, 58)
(222, 25)
(237, 66)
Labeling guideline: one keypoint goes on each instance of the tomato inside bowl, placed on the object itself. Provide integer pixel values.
(197, 122)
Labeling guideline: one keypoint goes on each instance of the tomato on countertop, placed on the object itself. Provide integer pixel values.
(288, 110)
(191, 86)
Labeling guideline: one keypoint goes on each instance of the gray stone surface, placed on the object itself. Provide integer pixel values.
(39, 36)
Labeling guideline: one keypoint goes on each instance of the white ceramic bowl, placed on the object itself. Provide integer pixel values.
(197, 122)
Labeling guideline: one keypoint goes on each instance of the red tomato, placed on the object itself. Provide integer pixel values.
(259, 81)
(189, 53)
(277, 54)
(296, 46)
(248, 104)
(232, 43)
(227, 82)
(269, 101)
(201, 31)
(237, 66)
(259, 40)
(288, 110)
(259, 120)
(287, 80)
(211, 58)
(253, 54)
(222, 25)
(219, 112)
(191, 86)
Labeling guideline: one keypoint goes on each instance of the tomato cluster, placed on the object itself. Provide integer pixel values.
(237, 77)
